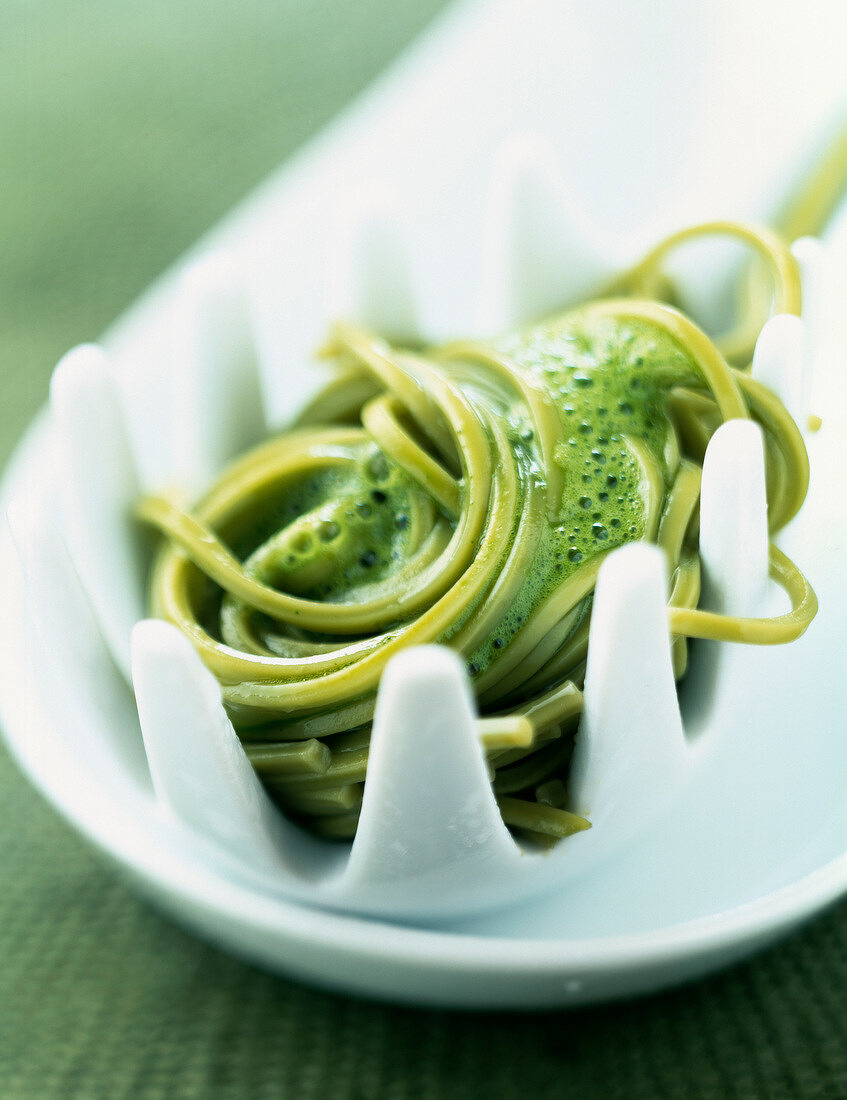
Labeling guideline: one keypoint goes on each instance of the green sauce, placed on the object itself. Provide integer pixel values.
(609, 380)
(344, 529)
(341, 530)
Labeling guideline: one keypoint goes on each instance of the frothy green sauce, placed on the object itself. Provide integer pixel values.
(338, 529)
(345, 528)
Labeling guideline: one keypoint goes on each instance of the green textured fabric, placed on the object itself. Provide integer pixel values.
(125, 131)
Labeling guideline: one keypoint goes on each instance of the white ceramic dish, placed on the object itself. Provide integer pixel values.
(695, 893)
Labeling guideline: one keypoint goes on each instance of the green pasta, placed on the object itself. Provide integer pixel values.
(467, 495)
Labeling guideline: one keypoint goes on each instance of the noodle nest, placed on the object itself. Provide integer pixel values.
(467, 495)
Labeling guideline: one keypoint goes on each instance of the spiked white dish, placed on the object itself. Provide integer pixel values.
(226, 337)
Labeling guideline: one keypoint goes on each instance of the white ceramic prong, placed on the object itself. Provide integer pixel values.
(429, 816)
(287, 306)
(630, 749)
(98, 487)
(217, 397)
(781, 362)
(811, 256)
(200, 772)
(734, 521)
(375, 286)
(541, 254)
(734, 549)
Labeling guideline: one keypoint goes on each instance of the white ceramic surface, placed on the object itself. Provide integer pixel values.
(699, 889)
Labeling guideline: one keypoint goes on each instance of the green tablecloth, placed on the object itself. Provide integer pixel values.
(125, 131)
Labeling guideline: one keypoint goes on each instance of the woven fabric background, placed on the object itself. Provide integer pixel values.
(126, 130)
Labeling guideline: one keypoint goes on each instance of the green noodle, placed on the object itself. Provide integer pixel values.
(467, 495)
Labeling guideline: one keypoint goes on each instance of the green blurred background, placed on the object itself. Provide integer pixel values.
(126, 130)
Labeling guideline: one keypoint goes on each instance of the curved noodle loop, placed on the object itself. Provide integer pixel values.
(466, 496)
